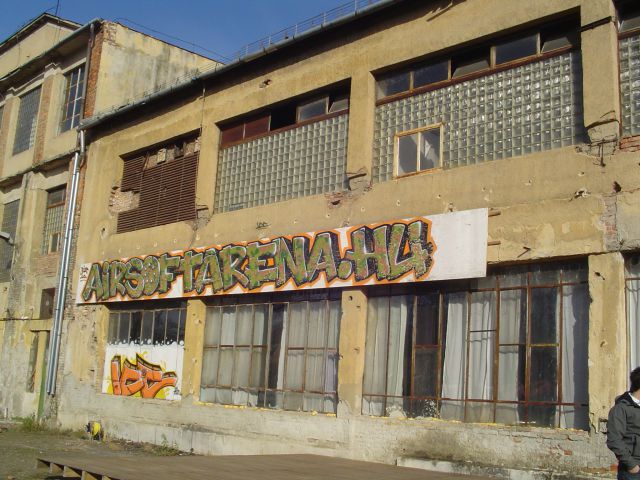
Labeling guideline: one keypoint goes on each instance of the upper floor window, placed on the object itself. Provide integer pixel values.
(418, 151)
(54, 220)
(628, 15)
(504, 51)
(163, 183)
(281, 352)
(285, 115)
(9, 228)
(509, 348)
(73, 97)
(27, 121)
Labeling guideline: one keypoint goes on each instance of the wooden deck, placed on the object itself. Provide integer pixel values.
(232, 467)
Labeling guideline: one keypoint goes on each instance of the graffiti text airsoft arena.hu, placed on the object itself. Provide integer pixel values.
(389, 252)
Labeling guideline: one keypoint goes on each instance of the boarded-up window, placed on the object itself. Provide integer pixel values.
(165, 179)
(27, 120)
(54, 220)
(9, 224)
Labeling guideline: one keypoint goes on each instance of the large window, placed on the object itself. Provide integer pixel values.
(280, 352)
(27, 121)
(53, 221)
(509, 348)
(291, 150)
(632, 276)
(511, 97)
(147, 326)
(163, 179)
(629, 49)
(73, 97)
(9, 226)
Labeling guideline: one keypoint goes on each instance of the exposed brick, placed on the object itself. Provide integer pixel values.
(92, 75)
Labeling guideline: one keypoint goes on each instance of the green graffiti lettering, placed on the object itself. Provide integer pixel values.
(134, 281)
(187, 265)
(369, 254)
(398, 239)
(232, 258)
(257, 270)
(209, 273)
(420, 248)
(105, 280)
(167, 265)
(324, 256)
(291, 265)
(150, 274)
(117, 271)
(93, 285)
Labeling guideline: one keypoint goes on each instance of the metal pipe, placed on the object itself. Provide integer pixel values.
(63, 276)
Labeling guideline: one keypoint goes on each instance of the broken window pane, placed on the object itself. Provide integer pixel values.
(407, 154)
(429, 149)
(544, 313)
(313, 108)
(470, 62)
(136, 327)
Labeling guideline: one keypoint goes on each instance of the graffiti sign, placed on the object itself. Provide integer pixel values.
(140, 376)
(416, 249)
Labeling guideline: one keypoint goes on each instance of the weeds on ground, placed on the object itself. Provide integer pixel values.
(31, 424)
(164, 449)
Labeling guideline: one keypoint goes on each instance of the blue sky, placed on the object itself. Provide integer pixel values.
(222, 26)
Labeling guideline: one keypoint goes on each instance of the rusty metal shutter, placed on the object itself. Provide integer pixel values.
(167, 194)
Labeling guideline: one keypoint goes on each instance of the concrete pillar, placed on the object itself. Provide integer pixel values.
(353, 331)
(207, 168)
(601, 82)
(193, 344)
(361, 127)
(608, 364)
(5, 122)
(46, 96)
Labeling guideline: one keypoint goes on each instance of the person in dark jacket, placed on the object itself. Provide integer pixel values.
(623, 430)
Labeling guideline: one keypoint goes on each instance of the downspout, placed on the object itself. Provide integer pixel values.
(63, 275)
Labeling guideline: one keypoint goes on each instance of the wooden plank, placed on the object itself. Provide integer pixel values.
(232, 467)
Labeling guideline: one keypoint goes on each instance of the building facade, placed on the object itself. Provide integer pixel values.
(407, 233)
(52, 73)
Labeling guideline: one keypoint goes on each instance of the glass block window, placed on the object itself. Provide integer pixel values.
(53, 221)
(510, 348)
(632, 277)
(280, 352)
(27, 121)
(9, 227)
(629, 48)
(529, 108)
(293, 163)
(73, 97)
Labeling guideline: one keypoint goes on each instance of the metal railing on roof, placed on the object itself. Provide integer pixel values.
(352, 8)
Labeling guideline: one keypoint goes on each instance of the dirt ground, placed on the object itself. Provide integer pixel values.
(19, 448)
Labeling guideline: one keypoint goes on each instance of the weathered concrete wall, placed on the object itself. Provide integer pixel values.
(156, 65)
(31, 46)
(557, 204)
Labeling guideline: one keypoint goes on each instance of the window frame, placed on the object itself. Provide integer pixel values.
(488, 49)
(78, 100)
(396, 149)
(20, 138)
(49, 218)
(266, 395)
(468, 289)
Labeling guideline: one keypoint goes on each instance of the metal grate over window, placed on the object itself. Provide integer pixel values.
(278, 353)
(54, 220)
(27, 121)
(73, 97)
(510, 348)
(629, 48)
(9, 226)
(298, 162)
(530, 108)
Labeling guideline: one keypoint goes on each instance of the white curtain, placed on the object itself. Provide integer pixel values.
(455, 357)
(481, 351)
(375, 356)
(398, 313)
(509, 357)
(575, 318)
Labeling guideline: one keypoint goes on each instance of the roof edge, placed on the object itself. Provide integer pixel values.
(36, 22)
